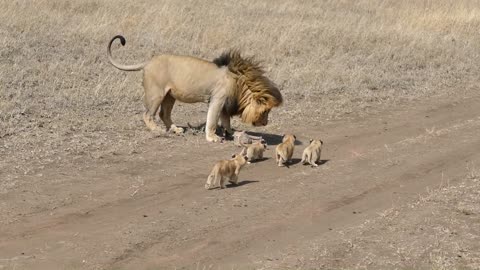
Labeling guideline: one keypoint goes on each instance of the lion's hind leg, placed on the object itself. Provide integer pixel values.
(166, 114)
(153, 98)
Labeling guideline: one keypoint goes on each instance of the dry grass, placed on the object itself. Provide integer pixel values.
(59, 98)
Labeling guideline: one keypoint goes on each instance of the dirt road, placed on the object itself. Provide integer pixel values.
(149, 210)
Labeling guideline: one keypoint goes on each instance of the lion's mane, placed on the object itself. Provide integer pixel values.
(254, 92)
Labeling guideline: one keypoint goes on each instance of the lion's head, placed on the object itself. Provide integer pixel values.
(255, 94)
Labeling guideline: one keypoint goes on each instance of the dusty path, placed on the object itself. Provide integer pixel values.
(150, 211)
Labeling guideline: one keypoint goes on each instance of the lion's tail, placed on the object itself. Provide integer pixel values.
(118, 65)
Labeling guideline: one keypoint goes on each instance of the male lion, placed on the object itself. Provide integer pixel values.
(232, 85)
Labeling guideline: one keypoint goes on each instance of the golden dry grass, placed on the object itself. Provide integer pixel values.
(58, 94)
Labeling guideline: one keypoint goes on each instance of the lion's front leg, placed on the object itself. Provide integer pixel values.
(213, 114)
(225, 121)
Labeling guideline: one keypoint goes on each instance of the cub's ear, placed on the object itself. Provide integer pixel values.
(311, 140)
(233, 156)
(246, 158)
(321, 142)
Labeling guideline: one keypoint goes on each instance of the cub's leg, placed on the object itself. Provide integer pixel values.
(166, 112)
(210, 178)
(314, 160)
(234, 179)
(222, 182)
(281, 161)
(304, 158)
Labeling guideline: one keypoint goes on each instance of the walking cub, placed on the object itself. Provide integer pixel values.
(226, 169)
(311, 154)
(255, 150)
(284, 151)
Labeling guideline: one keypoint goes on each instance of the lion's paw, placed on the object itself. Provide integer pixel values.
(176, 130)
(214, 138)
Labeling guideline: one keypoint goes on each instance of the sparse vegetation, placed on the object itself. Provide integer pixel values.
(438, 231)
(63, 108)
(58, 94)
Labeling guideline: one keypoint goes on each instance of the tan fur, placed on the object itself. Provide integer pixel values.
(284, 151)
(255, 150)
(226, 169)
(311, 154)
(232, 85)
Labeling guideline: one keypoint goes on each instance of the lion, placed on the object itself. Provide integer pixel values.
(311, 154)
(284, 151)
(230, 84)
(226, 169)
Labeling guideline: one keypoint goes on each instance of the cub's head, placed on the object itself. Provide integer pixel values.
(318, 143)
(260, 144)
(241, 158)
(289, 138)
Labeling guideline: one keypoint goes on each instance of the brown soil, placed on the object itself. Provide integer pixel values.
(149, 210)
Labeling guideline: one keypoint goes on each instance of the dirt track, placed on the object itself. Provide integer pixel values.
(150, 209)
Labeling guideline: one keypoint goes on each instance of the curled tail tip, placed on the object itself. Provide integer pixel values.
(123, 41)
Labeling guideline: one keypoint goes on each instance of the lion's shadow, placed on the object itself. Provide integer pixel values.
(271, 139)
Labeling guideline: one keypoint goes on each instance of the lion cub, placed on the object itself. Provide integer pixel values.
(255, 150)
(311, 154)
(284, 151)
(224, 169)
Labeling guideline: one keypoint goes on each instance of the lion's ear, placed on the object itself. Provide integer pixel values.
(233, 156)
(311, 140)
(261, 100)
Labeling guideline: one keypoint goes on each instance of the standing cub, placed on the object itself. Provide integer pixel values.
(224, 169)
(284, 151)
(255, 150)
(311, 154)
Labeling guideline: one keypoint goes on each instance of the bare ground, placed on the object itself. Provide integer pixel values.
(391, 87)
(149, 210)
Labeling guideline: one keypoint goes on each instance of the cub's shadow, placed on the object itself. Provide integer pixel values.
(292, 162)
(322, 161)
(242, 183)
(295, 161)
(271, 139)
(258, 160)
